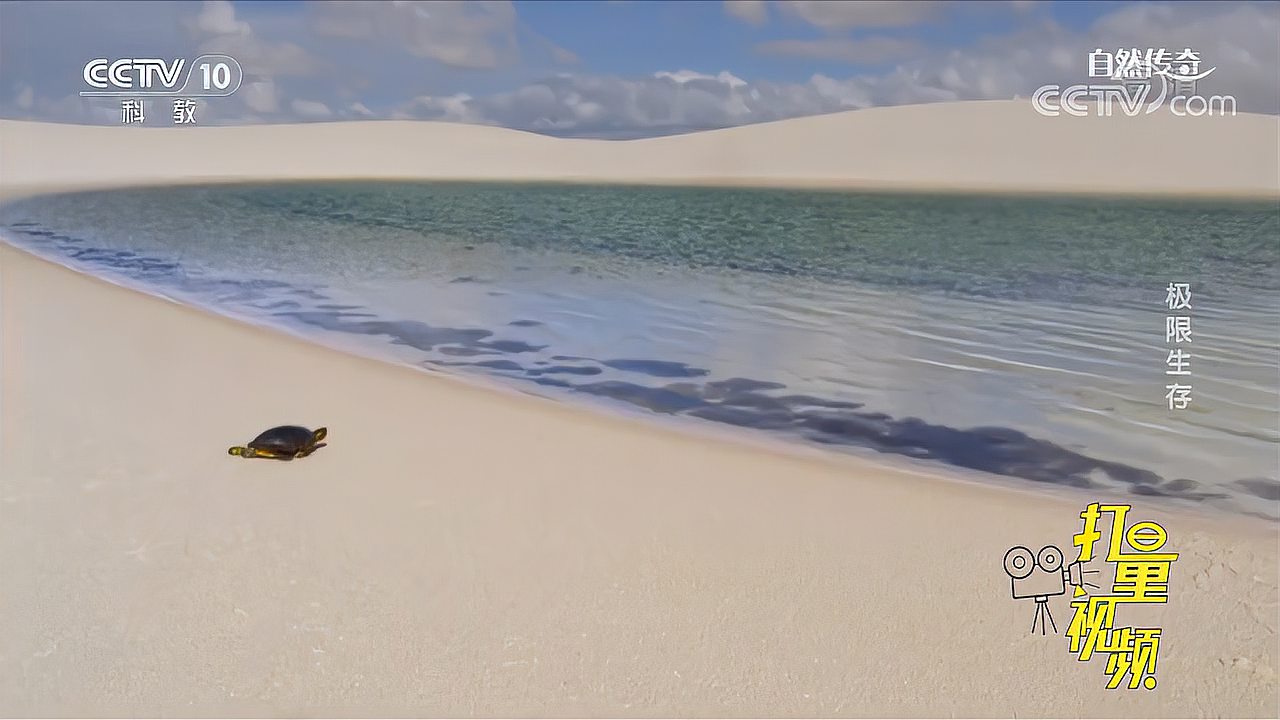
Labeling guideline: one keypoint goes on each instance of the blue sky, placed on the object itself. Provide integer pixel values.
(622, 38)
(614, 69)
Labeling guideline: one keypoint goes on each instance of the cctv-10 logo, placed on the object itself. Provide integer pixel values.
(211, 75)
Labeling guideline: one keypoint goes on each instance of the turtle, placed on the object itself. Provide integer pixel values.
(283, 443)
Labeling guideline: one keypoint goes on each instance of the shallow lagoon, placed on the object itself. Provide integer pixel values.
(1021, 336)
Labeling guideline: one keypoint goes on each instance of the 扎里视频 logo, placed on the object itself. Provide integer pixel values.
(1141, 578)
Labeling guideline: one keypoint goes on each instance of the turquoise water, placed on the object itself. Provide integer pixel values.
(1021, 336)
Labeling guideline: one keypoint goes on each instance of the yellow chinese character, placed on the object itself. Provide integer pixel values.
(1115, 640)
(1091, 618)
(1090, 535)
(1138, 660)
(1142, 581)
(1144, 537)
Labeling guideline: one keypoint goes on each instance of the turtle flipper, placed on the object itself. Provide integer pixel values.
(307, 451)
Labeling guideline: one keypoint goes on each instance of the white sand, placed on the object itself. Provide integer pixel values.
(1002, 145)
(463, 550)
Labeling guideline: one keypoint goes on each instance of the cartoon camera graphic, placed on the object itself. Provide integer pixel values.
(1041, 576)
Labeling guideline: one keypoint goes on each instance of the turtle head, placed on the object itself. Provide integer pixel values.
(241, 451)
(319, 435)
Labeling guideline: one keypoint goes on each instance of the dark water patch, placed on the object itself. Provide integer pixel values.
(465, 352)
(511, 346)
(304, 292)
(1128, 474)
(745, 417)
(744, 403)
(525, 323)
(337, 315)
(656, 399)
(553, 382)
(500, 366)
(331, 306)
(280, 305)
(727, 388)
(264, 284)
(122, 261)
(811, 401)
(44, 235)
(1182, 488)
(413, 333)
(851, 428)
(565, 370)
(688, 389)
(998, 450)
(507, 365)
(656, 368)
(755, 401)
(466, 279)
(1265, 488)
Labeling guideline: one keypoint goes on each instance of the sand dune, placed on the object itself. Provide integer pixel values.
(459, 549)
(998, 146)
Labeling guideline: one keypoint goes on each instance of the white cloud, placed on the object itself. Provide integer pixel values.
(218, 17)
(562, 56)
(25, 98)
(219, 32)
(754, 12)
(310, 109)
(1240, 39)
(260, 96)
(861, 14)
(843, 14)
(452, 108)
(262, 59)
(612, 106)
(455, 32)
(866, 50)
(687, 76)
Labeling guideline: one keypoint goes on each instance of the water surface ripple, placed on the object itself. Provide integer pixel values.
(1018, 336)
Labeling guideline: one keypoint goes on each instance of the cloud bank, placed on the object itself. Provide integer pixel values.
(361, 60)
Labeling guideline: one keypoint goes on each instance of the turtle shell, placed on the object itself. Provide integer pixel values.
(283, 439)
